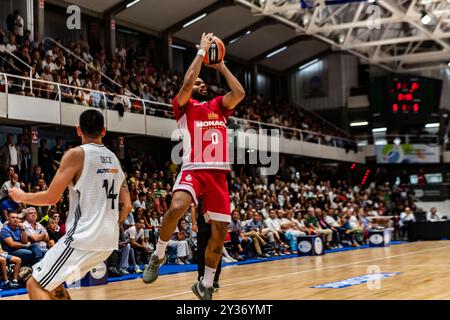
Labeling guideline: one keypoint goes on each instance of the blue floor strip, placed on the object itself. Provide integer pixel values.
(174, 268)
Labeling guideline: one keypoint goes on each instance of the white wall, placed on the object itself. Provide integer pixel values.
(338, 71)
(3, 108)
(33, 109)
(48, 111)
(443, 207)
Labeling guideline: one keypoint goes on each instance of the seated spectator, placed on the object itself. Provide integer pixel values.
(137, 240)
(140, 202)
(52, 231)
(179, 241)
(13, 182)
(252, 229)
(35, 231)
(7, 206)
(5, 260)
(433, 215)
(14, 240)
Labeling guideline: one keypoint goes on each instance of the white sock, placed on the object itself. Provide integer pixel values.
(208, 278)
(161, 248)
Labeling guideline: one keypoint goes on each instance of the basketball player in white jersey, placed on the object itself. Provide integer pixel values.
(99, 203)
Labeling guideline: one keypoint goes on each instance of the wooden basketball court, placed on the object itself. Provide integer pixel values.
(424, 274)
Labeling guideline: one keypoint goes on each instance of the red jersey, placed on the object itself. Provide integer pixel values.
(204, 129)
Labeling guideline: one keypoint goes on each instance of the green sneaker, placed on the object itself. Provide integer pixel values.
(201, 291)
(151, 271)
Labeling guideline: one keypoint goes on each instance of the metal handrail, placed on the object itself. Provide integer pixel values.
(24, 63)
(144, 102)
(82, 60)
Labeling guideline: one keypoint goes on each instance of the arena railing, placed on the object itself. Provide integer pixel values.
(122, 103)
(430, 139)
(87, 64)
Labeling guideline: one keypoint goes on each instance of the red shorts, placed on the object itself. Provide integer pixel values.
(213, 186)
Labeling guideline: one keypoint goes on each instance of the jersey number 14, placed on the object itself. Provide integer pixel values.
(110, 193)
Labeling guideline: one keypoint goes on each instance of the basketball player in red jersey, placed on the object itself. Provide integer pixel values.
(205, 165)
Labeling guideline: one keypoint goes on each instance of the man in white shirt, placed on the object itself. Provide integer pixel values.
(433, 215)
(140, 202)
(35, 231)
(12, 183)
(406, 217)
(137, 240)
(18, 24)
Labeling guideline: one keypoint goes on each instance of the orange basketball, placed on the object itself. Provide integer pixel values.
(216, 52)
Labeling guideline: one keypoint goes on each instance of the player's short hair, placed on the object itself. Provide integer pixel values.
(92, 123)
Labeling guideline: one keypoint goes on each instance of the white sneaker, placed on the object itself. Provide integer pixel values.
(178, 261)
(226, 260)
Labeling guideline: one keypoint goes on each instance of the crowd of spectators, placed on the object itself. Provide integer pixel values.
(268, 213)
(128, 75)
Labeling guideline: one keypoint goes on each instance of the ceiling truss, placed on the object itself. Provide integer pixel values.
(391, 34)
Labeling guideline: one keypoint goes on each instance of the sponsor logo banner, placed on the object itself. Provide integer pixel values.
(356, 281)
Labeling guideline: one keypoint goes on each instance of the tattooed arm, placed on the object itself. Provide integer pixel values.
(124, 202)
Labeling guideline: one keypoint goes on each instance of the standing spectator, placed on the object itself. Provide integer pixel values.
(10, 155)
(406, 217)
(14, 240)
(57, 153)
(18, 25)
(26, 157)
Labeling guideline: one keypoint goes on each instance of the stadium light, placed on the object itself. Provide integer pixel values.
(238, 38)
(359, 124)
(200, 17)
(132, 3)
(432, 125)
(306, 65)
(375, 130)
(426, 19)
(381, 142)
(276, 52)
(178, 47)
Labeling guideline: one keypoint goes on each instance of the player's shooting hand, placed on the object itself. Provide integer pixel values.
(217, 66)
(16, 194)
(206, 41)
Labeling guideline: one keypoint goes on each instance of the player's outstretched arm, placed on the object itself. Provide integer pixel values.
(194, 70)
(237, 93)
(124, 202)
(71, 165)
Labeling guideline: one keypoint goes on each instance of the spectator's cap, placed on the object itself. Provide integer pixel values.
(49, 53)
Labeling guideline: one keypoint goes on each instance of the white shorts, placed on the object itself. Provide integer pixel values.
(62, 263)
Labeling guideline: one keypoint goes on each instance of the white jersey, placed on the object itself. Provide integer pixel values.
(93, 218)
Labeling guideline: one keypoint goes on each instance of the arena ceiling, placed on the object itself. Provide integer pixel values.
(402, 36)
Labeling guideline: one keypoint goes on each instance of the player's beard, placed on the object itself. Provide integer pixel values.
(199, 97)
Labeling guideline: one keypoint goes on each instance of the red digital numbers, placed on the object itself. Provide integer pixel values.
(405, 96)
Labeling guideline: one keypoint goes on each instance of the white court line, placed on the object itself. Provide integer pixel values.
(304, 271)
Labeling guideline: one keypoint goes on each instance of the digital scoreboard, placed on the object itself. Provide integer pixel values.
(405, 97)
